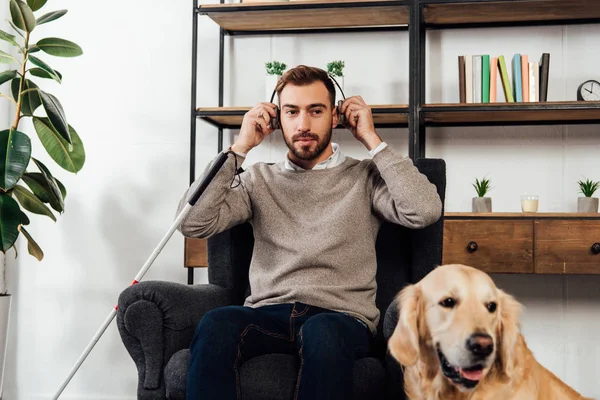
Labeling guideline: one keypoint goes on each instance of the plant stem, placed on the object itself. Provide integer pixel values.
(22, 85)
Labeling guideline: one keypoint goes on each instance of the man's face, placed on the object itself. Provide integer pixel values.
(307, 120)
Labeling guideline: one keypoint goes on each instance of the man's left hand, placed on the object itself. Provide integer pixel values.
(359, 120)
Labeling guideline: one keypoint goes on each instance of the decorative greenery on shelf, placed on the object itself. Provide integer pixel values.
(588, 187)
(56, 135)
(336, 68)
(275, 67)
(482, 187)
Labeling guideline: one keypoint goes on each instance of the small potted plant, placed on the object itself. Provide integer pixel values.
(336, 69)
(587, 203)
(274, 71)
(481, 203)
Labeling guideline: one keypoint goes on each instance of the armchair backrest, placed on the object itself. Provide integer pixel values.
(403, 255)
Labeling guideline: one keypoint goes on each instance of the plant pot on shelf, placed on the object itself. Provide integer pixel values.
(270, 83)
(481, 204)
(5, 301)
(587, 204)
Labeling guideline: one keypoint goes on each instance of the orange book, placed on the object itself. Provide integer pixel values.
(525, 76)
(493, 78)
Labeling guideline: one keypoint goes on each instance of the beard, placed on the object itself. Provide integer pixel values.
(311, 150)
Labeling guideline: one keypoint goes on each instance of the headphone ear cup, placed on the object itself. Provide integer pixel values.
(342, 117)
(275, 121)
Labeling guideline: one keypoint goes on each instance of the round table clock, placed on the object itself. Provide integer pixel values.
(589, 91)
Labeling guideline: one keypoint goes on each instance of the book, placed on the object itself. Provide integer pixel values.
(476, 79)
(544, 73)
(534, 90)
(485, 78)
(516, 78)
(525, 76)
(506, 86)
(469, 79)
(461, 80)
(493, 79)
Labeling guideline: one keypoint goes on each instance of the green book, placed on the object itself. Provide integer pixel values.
(506, 86)
(485, 78)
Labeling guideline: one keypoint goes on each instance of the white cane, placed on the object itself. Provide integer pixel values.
(218, 163)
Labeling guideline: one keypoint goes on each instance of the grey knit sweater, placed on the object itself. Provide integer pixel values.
(315, 230)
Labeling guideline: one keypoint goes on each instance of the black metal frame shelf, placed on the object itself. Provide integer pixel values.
(416, 16)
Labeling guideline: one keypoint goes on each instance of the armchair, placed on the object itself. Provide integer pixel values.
(157, 319)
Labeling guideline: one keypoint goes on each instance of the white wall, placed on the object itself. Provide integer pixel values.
(128, 96)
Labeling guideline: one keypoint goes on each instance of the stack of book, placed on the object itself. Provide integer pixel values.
(526, 81)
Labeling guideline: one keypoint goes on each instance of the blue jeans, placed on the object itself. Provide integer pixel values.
(326, 342)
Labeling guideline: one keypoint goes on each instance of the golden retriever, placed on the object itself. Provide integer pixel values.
(458, 338)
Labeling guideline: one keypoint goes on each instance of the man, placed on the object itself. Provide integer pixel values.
(315, 217)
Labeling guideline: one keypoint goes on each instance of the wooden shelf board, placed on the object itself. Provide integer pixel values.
(461, 13)
(307, 14)
(511, 113)
(388, 115)
(521, 215)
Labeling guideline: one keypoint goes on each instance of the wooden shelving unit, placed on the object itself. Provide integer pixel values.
(303, 15)
(384, 116)
(574, 112)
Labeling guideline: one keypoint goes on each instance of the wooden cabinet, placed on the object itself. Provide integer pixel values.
(540, 243)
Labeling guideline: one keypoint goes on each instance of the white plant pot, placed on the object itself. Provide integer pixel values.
(270, 83)
(4, 323)
(587, 204)
(481, 204)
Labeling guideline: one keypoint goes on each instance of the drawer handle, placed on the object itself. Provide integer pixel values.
(472, 247)
(596, 248)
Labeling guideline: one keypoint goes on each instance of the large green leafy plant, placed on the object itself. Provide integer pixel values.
(26, 184)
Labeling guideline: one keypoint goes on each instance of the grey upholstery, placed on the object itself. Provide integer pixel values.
(156, 319)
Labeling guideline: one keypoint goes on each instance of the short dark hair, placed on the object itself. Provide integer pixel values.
(305, 75)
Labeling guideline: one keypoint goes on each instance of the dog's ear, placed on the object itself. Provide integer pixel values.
(509, 332)
(404, 342)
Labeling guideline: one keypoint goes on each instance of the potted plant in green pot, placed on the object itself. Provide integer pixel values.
(274, 71)
(587, 203)
(26, 183)
(481, 203)
(336, 69)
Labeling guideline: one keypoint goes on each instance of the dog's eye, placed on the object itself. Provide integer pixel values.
(492, 307)
(448, 302)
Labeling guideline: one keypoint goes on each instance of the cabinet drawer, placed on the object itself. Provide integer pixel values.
(501, 246)
(567, 247)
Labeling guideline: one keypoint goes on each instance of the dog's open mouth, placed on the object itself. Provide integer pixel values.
(467, 377)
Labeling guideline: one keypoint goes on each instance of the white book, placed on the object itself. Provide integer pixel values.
(469, 79)
(477, 79)
(534, 81)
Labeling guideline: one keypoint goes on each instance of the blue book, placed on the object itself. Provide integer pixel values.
(516, 75)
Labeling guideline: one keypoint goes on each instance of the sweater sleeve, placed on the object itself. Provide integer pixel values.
(224, 203)
(402, 194)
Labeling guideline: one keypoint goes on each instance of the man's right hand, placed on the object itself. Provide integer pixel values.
(255, 127)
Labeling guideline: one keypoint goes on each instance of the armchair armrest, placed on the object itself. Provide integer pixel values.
(156, 319)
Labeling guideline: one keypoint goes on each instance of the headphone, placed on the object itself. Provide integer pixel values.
(275, 121)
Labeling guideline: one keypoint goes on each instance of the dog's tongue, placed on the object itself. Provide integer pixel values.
(472, 375)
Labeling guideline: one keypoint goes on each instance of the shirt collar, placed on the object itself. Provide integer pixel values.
(334, 160)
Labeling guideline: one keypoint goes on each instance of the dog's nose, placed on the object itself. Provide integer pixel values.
(480, 344)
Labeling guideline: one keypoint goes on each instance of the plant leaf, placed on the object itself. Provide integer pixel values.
(33, 248)
(7, 76)
(59, 47)
(7, 37)
(31, 202)
(16, 29)
(31, 100)
(56, 115)
(37, 183)
(69, 156)
(10, 218)
(51, 16)
(22, 15)
(56, 200)
(15, 151)
(36, 61)
(40, 73)
(25, 219)
(36, 4)
(6, 58)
